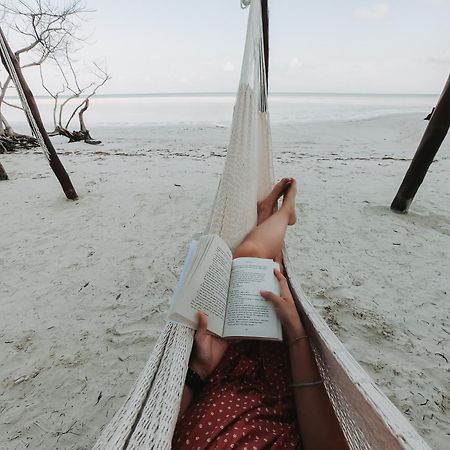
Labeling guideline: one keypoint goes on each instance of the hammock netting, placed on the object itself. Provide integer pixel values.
(7, 58)
(147, 418)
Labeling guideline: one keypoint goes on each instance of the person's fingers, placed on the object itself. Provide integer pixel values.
(282, 280)
(202, 324)
(275, 299)
(279, 275)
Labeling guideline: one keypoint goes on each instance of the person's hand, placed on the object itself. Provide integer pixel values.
(208, 349)
(284, 306)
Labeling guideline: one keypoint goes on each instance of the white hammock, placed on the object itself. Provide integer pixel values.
(147, 418)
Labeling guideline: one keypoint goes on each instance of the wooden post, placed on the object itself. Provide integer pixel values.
(265, 21)
(429, 145)
(3, 174)
(265, 26)
(54, 161)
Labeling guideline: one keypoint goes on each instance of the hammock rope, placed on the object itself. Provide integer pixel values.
(148, 417)
(7, 57)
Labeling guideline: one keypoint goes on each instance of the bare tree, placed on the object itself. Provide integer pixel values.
(47, 31)
(73, 92)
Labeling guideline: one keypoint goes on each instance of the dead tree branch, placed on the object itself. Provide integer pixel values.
(43, 30)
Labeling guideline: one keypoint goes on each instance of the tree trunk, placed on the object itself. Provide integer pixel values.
(429, 145)
(80, 115)
(87, 135)
(54, 161)
(3, 174)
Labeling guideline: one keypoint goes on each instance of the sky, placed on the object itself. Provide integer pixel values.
(169, 46)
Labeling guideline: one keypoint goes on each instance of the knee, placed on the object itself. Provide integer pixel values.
(248, 249)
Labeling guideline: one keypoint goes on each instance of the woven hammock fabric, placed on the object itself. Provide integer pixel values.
(148, 417)
(7, 57)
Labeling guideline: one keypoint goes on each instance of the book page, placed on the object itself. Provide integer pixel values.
(186, 266)
(206, 286)
(248, 314)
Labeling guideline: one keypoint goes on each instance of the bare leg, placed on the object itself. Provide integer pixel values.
(269, 205)
(266, 239)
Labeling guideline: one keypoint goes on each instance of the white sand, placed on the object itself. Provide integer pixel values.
(84, 286)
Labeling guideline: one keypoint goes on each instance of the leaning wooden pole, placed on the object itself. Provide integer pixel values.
(429, 145)
(265, 23)
(54, 161)
(265, 35)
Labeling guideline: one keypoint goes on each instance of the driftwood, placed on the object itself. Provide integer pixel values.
(53, 159)
(429, 145)
(3, 174)
(15, 141)
(75, 136)
(85, 132)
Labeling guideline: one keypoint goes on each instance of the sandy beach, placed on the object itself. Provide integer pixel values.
(85, 285)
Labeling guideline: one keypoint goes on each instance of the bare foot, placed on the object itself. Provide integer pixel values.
(289, 200)
(265, 207)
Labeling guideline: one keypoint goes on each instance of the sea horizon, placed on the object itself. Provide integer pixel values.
(233, 93)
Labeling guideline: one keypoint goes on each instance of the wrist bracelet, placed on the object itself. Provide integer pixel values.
(194, 381)
(311, 383)
(298, 339)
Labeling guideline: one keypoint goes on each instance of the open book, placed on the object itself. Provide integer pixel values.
(227, 291)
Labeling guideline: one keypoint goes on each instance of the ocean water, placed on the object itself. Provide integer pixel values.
(217, 109)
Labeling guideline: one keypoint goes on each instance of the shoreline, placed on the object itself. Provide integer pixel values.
(233, 94)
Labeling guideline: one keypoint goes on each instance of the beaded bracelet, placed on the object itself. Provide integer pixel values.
(311, 383)
(298, 339)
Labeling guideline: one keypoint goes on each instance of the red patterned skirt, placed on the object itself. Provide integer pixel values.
(247, 403)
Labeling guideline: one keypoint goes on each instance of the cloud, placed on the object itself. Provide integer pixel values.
(295, 62)
(376, 12)
(443, 58)
(228, 67)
